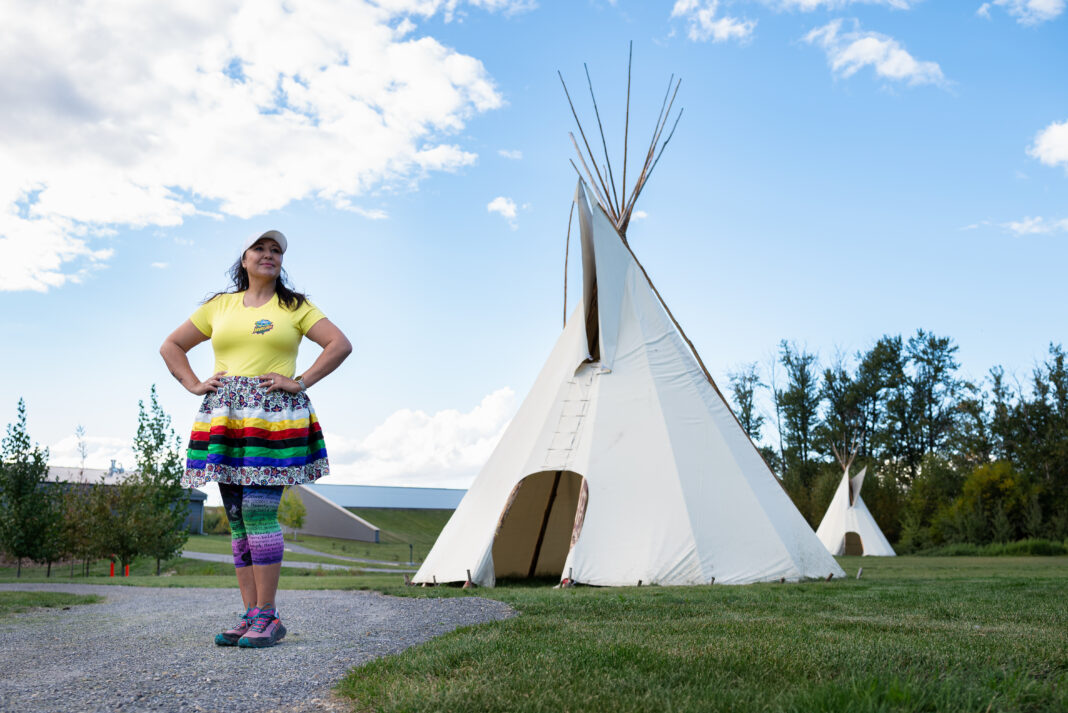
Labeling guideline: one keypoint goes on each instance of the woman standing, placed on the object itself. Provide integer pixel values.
(256, 431)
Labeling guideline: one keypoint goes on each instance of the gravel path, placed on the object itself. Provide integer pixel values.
(145, 648)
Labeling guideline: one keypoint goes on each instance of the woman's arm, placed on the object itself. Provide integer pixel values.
(174, 351)
(336, 347)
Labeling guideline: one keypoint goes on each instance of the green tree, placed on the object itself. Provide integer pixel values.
(52, 544)
(743, 384)
(995, 494)
(291, 511)
(118, 513)
(900, 439)
(935, 387)
(78, 524)
(925, 511)
(26, 501)
(77, 512)
(799, 403)
(1001, 416)
(969, 442)
(878, 371)
(164, 503)
(1030, 430)
(842, 426)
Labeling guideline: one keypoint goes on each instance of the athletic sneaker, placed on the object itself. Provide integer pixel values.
(231, 636)
(266, 630)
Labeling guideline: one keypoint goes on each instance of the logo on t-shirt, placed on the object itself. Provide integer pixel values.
(263, 326)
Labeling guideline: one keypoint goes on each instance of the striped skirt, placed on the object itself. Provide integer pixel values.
(245, 436)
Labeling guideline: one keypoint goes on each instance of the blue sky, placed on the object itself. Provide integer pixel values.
(842, 170)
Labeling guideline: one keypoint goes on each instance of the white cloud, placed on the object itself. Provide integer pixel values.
(101, 450)
(810, 5)
(515, 155)
(1051, 145)
(1036, 226)
(703, 24)
(159, 265)
(638, 215)
(120, 115)
(1026, 12)
(506, 207)
(444, 449)
(849, 52)
(369, 213)
(508, 7)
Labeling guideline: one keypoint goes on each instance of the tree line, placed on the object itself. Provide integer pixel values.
(142, 514)
(954, 460)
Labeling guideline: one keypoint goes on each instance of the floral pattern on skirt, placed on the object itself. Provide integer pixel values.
(245, 436)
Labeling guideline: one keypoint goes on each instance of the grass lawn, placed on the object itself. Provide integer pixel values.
(220, 544)
(192, 573)
(398, 528)
(15, 602)
(403, 526)
(182, 572)
(914, 634)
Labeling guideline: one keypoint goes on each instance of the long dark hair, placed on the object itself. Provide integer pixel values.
(287, 297)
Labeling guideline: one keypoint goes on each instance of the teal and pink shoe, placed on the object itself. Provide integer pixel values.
(232, 636)
(266, 630)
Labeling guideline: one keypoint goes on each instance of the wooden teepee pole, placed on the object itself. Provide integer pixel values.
(626, 124)
(589, 152)
(604, 144)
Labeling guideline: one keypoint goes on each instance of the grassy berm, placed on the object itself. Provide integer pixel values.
(17, 602)
(914, 634)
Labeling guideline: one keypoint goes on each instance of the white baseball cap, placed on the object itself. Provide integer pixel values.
(275, 235)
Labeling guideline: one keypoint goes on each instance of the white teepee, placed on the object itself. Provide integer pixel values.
(848, 528)
(624, 464)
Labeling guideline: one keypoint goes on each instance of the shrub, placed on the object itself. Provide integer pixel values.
(1020, 548)
(215, 522)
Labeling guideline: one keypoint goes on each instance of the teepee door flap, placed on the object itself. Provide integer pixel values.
(538, 525)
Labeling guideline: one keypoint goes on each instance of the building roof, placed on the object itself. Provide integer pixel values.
(94, 476)
(384, 496)
(99, 476)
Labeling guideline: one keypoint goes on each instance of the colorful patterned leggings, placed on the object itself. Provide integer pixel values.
(253, 514)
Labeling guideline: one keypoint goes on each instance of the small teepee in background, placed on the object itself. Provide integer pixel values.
(848, 528)
(624, 465)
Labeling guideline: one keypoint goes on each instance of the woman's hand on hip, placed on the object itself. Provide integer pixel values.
(274, 381)
(210, 386)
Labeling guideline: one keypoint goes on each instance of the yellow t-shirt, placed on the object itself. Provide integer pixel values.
(249, 341)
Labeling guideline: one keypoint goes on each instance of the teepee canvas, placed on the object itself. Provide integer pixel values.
(624, 465)
(848, 528)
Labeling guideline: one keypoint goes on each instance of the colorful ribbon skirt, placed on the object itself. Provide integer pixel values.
(245, 436)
